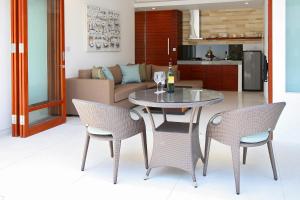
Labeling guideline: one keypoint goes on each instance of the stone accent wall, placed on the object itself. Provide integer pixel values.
(247, 22)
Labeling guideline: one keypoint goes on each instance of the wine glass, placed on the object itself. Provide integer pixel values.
(157, 80)
(162, 81)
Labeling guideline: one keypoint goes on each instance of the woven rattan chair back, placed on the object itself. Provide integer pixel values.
(244, 122)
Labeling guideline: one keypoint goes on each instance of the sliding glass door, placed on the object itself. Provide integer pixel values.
(39, 75)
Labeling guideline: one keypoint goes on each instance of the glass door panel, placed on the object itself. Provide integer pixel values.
(292, 46)
(37, 52)
(45, 114)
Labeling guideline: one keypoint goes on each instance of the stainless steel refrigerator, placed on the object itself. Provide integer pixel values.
(252, 71)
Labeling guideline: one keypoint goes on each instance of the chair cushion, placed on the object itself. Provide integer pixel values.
(189, 83)
(97, 131)
(131, 74)
(259, 137)
(117, 73)
(122, 91)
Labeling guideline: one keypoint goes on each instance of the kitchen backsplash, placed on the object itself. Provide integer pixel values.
(218, 50)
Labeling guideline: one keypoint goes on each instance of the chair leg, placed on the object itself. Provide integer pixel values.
(145, 151)
(207, 149)
(147, 174)
(272, 159)
(235, 151)
(194, 179)
(117, 147)
(86, 146)
(244, 155)
(111, 149)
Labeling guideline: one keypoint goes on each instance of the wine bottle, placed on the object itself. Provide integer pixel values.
(171, 80)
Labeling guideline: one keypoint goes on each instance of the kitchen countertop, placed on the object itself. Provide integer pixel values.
(205, 62)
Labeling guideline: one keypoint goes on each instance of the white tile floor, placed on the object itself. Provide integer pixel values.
(47, 166)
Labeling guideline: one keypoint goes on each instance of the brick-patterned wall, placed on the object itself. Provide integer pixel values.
(247, 21)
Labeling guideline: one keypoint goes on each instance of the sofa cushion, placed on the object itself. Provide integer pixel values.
(117, 74)
(85, 74)
(189, 83)
(130, 74)
(108, 73)
(97, 73)
(142, 70)
(148, 72)
(122, 91)
(156, 68)
(150, 84)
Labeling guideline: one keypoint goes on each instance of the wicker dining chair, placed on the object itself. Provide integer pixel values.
(112, 124)
(246, 127)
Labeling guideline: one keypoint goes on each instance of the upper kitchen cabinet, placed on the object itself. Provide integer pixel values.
(158, 36)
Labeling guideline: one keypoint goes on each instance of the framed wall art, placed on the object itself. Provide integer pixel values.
(103, 29)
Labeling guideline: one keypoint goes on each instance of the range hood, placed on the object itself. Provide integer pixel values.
(195, 25)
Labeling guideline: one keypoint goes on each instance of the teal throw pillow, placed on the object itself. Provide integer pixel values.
(131, 74)
(107, 73)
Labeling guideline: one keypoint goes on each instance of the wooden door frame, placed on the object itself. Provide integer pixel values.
(20, 97)
(14, 69)
(270, 51)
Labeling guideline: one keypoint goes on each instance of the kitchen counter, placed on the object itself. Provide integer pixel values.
(206, 62)
(216, 63)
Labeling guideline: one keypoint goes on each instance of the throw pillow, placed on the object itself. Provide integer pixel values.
(117, 74)
(131, 74)
(97, 73)
(107, 73)
(142, 69)
(148, 72)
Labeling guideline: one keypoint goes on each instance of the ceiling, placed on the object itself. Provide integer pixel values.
(196, 4)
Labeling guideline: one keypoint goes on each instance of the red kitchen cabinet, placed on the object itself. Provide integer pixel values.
(214, 77)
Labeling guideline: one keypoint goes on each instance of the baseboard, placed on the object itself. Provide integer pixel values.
(5, 131)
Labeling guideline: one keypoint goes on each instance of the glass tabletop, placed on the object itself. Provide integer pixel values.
(182, 97)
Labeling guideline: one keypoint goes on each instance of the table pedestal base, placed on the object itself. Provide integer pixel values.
(176, 144)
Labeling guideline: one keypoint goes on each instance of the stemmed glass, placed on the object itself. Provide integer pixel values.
(157, 79)
(162, 81)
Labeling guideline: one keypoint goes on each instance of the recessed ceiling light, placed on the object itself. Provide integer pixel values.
(246, 3)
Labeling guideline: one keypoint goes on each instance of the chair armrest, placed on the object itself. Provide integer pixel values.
(216, 119)
(101, 91)
(136, 112)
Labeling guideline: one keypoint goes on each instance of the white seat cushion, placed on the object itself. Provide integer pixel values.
(96, 131)
(255, 138)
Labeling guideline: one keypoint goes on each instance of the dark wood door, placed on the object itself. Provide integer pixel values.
(140, 37)
(158, 35)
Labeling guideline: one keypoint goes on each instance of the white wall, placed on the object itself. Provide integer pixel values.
(288, 127)
(5, 89)
(75, 19)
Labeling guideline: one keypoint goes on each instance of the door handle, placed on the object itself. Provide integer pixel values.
(168, 46)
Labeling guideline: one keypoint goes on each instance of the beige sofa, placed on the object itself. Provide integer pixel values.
(108, 92)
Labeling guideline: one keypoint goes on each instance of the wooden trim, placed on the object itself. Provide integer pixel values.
(234, 38)
(62, 57)
(23, 62)
(270, 51)
(14, 67)
(45, 105)
(44, 126)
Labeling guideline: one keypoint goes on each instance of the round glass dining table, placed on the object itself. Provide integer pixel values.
(176, 144)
